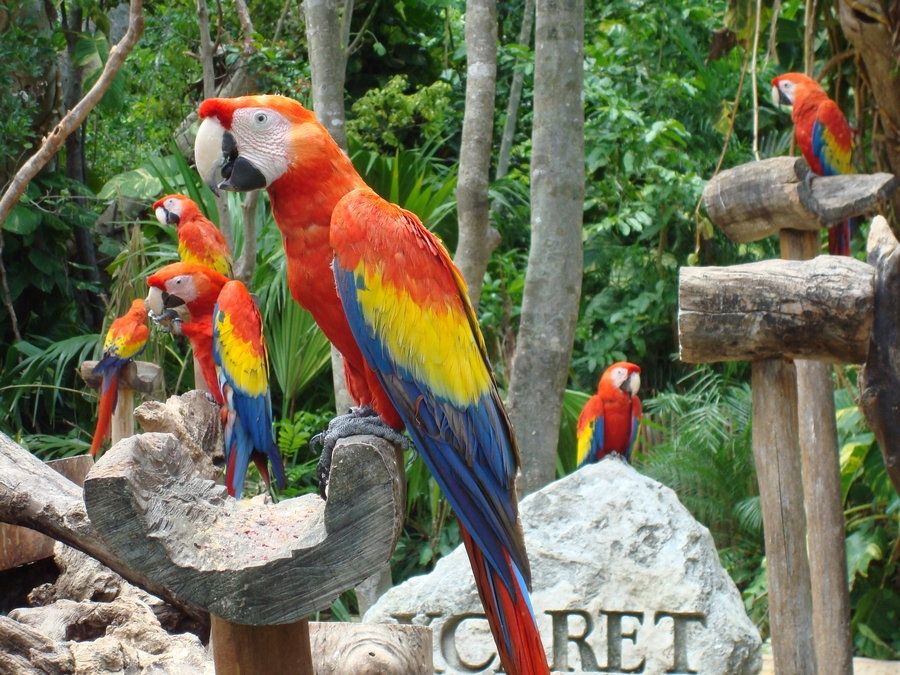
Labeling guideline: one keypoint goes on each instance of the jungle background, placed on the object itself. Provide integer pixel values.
(668, 101)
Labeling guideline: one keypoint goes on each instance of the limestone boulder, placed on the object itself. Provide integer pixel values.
(624, 580)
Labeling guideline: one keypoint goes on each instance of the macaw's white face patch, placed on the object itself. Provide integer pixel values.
(261, 135)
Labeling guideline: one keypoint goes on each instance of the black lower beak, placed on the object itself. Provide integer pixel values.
(241, 176)
(172, 218)
(783, 100)
(171, 301)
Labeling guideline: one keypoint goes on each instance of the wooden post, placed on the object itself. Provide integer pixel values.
(242, 650)
(777, 458)
(140, 376)
(820, 463)
(793, 407)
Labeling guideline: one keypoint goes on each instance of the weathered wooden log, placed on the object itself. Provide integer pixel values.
(755, 200)
(371, 649)
(880, 378)
(35, 496)
(139, 376)
(777, 458)
(822, 495)
(818, 309)
(20, 545)
(246, 562)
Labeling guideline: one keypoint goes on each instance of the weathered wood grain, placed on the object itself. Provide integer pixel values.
(371, 649)
(819, 309)
(141, 376)
(755, 200)
(239, 649)
(880, 378)
(777, 458)
(246, 562)
(20, 545)
(822, 495)
(35, 496)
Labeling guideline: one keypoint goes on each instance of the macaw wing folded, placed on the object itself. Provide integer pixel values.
(591, 429)
(636, 412)
(832, 139)
(410, 314)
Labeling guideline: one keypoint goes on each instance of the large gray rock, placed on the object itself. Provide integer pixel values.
(625, 580)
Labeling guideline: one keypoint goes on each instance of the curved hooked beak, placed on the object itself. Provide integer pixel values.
(163, 215)
(220, 164)
(631, 384)
(166, 310)
(779, 97)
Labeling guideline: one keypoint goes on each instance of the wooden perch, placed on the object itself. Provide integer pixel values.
(140, 376)
(34, 495)
(817, 309)
(880, 379)
(755, 200)
(246, 562)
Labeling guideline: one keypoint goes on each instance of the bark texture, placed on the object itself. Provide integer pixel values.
(757, 199)
(328, 64)
(553, 276)
(777, 458)
(818, 309)
(873, 31)
(880, 379)
(476, 238)
(515, 93)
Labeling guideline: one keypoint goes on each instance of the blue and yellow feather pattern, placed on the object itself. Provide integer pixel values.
(239, 352)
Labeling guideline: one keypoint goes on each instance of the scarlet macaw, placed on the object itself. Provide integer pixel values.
(126, 338)
(239, 350)
(823, 136)
(199, 240)
(189, 291)
(609, 420)
(407, 326)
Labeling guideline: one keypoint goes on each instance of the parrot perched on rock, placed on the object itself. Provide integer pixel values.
(239, 350)
(126, 338)
(823, 136)
(187, 292)
(406, 328)
(199, 240)
(609, 420)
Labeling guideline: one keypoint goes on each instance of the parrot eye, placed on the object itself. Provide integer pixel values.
(260, 119)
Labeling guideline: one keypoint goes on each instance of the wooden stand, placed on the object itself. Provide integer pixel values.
(140, 376)
(258, 568)
(821, 309)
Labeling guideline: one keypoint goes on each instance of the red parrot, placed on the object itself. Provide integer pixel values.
(126, 338)
(609, 420)
(305, 178)
(404, 320)
(189, 291)
(239, 350)
(823, 136)
(199, 240)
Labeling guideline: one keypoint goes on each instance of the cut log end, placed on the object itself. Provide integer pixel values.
(247, 562)
(140, 376)
(757, 199)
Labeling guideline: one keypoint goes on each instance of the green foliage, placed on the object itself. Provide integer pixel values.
(387, 119)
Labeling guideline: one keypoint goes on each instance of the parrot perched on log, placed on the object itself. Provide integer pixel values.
(823, 136)
(199, 240)
(406, 328)
(187, 292)
(609, 420)
(242, 364)
(126, 338)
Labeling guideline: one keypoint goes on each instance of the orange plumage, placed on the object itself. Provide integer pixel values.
(199, 240)
(126, 338)
(609, 420)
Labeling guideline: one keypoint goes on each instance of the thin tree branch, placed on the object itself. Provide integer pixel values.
(809, 34)
(68, 124)
(247, 262)
(753, 61)
(346, 20)
(246, 25)
(282, 18)
(206, 50)
(358, 38)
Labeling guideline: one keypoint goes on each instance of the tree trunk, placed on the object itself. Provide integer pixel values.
(553, 277)
(328, 62)
(476, 237)
(515, 93)
(873, 32)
